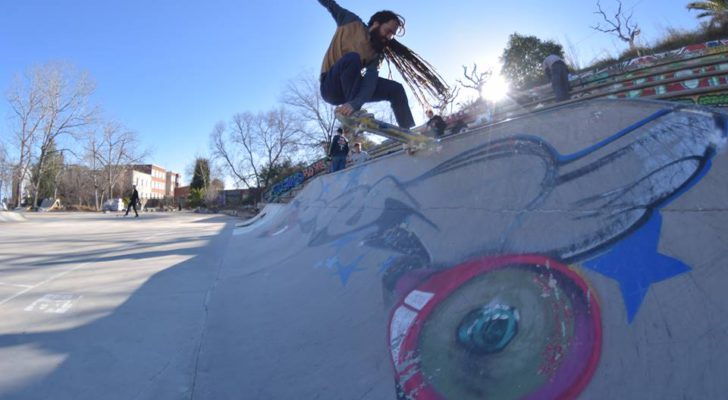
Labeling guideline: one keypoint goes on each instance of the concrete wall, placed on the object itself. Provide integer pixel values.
(571, 253)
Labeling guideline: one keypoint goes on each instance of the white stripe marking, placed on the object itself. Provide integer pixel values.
(14, 285)
(77, 267)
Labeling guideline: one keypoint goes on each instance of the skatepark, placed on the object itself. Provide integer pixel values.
(548, 250)
(570, 253)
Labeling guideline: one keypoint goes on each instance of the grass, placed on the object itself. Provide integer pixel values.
(672, 39)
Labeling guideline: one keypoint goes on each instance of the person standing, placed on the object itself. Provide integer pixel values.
(338, 151)
(358, 156)
(435, 124)
(133, 202)
(556, 70)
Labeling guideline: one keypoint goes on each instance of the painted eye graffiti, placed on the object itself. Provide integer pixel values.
(505, 327)
(488, 329)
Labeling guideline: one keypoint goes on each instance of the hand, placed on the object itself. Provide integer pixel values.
(345, 109)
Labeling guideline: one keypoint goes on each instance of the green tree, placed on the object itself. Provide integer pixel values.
(522, 59)
(46, 177)
(196, 198)
(716, 10)
(201, 174)
(280, 170)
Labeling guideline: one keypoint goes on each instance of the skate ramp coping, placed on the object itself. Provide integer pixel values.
(11, 216)
(263, 217)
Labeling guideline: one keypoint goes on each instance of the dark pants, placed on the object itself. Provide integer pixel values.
(338, 163)
(342, 82)
(132, 204)
(560, 81)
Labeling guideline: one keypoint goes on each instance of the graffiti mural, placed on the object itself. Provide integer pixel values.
(295, 180)
(701, 64)
(674, 88)
(507, 310)
(719, 99)
(663, 75)
(689, 51)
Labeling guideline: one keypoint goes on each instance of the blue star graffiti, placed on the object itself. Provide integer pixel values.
(577, 208)
(636, 264)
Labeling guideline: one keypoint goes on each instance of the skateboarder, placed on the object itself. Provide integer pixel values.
(358, 46)
(132, 202)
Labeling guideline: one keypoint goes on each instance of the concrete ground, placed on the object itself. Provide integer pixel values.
(577, 252)
(96, 306)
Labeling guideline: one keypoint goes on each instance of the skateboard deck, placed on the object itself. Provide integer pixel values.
(367, 123)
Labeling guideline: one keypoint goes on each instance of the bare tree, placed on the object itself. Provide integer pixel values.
(212, 194)
(51, 104)
(226, 145)
(452, 102)
(5, 170)
(76, 185)
(253, 143)
(475, 80)
(112, 152)
(27, 114)
(303, 95)
(620, 26)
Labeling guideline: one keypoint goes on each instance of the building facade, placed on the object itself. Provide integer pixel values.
(172, 182)
(153, 181)
(143, 183)
(158, 179)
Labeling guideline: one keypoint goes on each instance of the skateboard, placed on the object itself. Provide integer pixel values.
(365, 122)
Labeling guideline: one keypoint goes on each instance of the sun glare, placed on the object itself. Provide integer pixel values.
(495, 89)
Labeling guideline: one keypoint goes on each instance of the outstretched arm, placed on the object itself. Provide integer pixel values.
(341, 15)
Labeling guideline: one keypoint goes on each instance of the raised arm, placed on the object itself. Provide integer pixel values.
(341, 15)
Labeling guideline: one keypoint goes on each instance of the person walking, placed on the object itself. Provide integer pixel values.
(133, 202)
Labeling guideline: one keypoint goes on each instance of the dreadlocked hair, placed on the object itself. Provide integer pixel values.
(427, 85)
(385, 16)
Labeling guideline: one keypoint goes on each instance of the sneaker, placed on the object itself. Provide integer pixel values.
(363, 113)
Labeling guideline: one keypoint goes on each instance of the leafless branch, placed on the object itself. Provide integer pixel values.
(620, 25)
(316, 117)
(253, 143)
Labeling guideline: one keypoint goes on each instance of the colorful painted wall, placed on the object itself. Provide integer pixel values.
(552, 256)
(672, 74)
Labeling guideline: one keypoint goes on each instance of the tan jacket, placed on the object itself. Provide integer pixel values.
(351, 35)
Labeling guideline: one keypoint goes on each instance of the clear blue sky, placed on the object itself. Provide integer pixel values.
(171, 69)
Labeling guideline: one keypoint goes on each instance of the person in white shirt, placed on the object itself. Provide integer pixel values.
(556, 70)
(358, 156)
